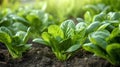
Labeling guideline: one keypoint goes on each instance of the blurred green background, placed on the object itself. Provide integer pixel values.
(62, 9)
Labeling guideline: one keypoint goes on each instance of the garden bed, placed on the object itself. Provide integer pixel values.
(41, 56)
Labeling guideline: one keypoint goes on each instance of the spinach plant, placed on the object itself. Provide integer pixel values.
(16, 44)
(65, 39)
(104, 36)
(102, 21)
(30, 18)
(38, 20)
(105, 44)
(14, 22)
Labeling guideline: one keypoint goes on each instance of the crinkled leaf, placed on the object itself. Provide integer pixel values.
(95, 49)
(101, 34)
(68, 28)
(100, 17)
(99, 38)
(99, 41)
(5, 22)
(114, 15)
(19, 27)
(67, 24)
(18, 18)
(80, 26)
(55, 31)
(20, 34)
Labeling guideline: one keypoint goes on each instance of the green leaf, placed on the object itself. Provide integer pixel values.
(18, 47)
(80, 27)
(22, 48)
(16, 40)
(88, 17)
(19, 27)
(5, 38)
(18, 50)
(20, 34)
(5, 29)
(100, 17)
(102, 27)
(27, 46)
(46, 37)
(99, 38)
(5, 22)
(55, 31)
(92, 27)
(32, 17)
(114, 15)
(101, 34)
(95, 49)
(65, 44)
(40, 41)
(67, 24)
(114, 33)
(110, 27)
(68, 28)
(99, 41)
(23, 36)
(73, 48)
(18, 19)
(114, 51)
(27, 35)
(79, 20)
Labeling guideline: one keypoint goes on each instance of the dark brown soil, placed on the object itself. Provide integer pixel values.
(41, 56)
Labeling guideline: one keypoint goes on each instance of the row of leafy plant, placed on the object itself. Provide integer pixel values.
(99, 34)
(101, 37)
(105, 38)
(17, 27)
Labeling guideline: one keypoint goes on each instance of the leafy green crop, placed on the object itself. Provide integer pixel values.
(105, 45)
(23, 18)
(65, 39)
(114, 4)
(104, 36)
(97, 8)
(14, 22)
(98, 33)
(38, 20)
(16, 44)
